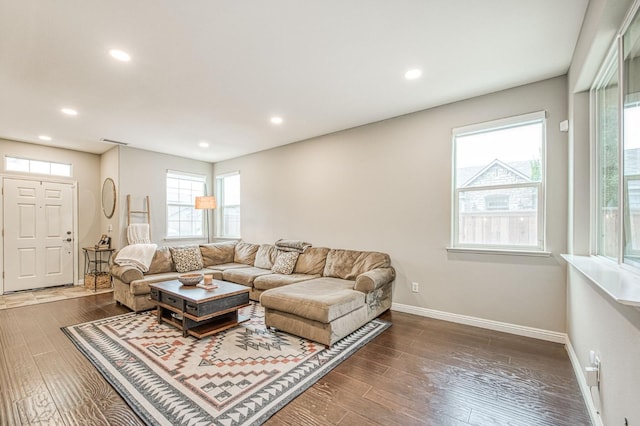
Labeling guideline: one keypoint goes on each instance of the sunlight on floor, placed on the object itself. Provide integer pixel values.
(33, 297)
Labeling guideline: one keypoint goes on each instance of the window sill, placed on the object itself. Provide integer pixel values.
(621, 285)
(499, 251)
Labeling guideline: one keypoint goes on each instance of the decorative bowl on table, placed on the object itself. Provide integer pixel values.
(190, 279)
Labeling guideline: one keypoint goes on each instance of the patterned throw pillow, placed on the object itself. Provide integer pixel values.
(187, 258)
(285, 262)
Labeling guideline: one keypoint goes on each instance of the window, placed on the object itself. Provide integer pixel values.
(183, 220)
(615, 97)
(606, 97)
(631, 142)
(498, 177)
(228, 211)
(14, 164)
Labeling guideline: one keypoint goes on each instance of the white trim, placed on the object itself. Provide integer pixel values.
(220, 210)
(227, 174)
(514, 252)
(30, 173)
(494, 126)
(74, 208)
(628, 19)
(516, 120)
(196, 177)
(520, 330)
(185, 177)
(596, 420)
(619, 282)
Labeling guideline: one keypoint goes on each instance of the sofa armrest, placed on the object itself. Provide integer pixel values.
(371, 280)
(126, 273)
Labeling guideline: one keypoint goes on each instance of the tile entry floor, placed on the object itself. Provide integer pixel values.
(33, 297)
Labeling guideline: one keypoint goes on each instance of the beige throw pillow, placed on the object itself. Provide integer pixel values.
(285, 262)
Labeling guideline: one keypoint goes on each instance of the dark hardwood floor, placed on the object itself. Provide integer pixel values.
(419, 372)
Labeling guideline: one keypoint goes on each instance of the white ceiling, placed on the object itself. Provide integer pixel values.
(216, 70)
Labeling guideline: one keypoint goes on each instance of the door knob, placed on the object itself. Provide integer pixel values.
(67, 240)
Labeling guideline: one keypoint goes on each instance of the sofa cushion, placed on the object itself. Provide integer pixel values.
(244, 276)
(245, 253)
(320, 299)
(162, 261)
(265, 256)
(225, 266)
(186, 258)
(285, 262)
(312, 261)
(266, 282)
(140, 287)
(348, 264)
(217, 253)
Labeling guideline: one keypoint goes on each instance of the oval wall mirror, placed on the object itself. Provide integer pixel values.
(108, 197)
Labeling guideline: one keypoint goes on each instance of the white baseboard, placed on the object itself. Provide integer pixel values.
(520, 330)
(596, 420)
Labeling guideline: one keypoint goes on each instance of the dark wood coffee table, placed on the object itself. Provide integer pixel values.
(199, 312)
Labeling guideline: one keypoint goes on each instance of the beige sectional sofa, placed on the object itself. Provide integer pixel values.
(326, 295)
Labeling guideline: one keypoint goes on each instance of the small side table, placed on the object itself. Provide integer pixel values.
(96, 267)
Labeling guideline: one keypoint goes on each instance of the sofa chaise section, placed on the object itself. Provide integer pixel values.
(355, 288)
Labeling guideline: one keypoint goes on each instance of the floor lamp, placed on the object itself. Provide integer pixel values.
(206, 202)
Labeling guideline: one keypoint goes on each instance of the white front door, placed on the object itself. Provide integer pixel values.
(38, 240)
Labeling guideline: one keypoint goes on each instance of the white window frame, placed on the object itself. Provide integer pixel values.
(495, 125)
(191, 177)
(614, 57)
(31, 166)
(220, 210)
(606, 71)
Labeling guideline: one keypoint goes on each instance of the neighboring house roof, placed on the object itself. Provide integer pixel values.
(522, 169)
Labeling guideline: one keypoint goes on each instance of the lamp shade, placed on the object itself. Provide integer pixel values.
(206, 202)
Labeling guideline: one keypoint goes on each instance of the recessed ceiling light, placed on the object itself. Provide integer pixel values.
(120, 55)
(412, 74)
(203, 144)
(44, 138)
(276, 120)
(69, 111)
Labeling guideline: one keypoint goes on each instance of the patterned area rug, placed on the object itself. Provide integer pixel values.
(240, 376)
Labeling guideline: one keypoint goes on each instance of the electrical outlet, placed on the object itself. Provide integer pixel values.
(415, 287)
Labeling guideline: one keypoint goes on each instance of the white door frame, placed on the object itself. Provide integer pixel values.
(74, 209)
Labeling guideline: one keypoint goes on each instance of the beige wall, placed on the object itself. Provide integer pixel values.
(109, 168)
(86, 172)
(143, 173)
(387, 187)
(594, 320)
